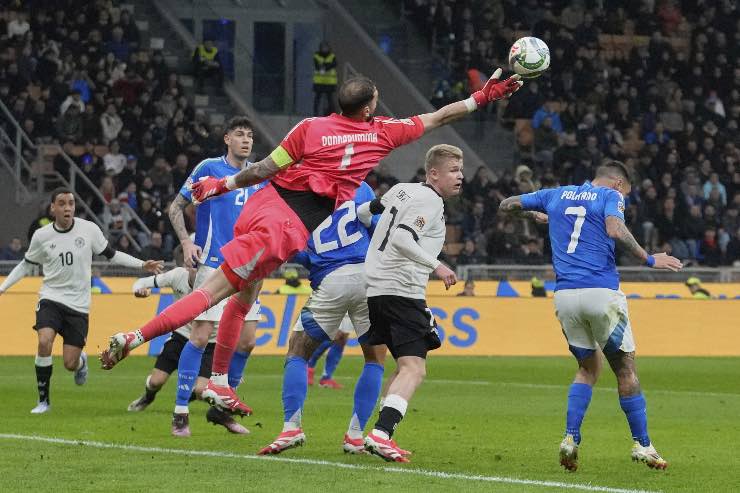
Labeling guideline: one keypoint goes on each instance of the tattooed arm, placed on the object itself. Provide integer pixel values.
(256, 173)
(176, 212)
(513, 206)
(617, 230)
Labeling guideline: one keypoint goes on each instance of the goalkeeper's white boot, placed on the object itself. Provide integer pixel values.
(569, 453)
(648, 455)
(119, 346)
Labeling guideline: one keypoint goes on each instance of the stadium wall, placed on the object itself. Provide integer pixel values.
(484, 325)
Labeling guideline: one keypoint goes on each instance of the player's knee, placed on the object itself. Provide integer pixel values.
(71, 363)
(246, 345)
(201, 333)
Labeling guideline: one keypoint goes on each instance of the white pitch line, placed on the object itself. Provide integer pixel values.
(398, 470)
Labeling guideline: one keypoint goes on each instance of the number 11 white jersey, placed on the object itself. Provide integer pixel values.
(66, 257)
(419, 210)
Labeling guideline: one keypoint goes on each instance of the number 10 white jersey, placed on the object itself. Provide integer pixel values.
(66, 257)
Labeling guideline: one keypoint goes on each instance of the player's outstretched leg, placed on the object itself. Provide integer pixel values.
(579, 398)
(634, 406)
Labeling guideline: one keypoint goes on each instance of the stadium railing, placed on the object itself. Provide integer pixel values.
(21, 142)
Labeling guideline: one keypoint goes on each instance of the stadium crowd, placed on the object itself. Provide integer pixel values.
(655, 84)
(641, 82)
(76, 73)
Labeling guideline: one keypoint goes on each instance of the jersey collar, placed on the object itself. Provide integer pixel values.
(432, 189)
(54, 225)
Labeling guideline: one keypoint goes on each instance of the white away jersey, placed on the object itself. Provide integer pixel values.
(419, 210)
(66, 257)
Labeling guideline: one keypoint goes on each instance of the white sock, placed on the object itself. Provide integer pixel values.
(354, 431)
(182, 410)
(220, 379)
(396, 402)
(291, 426)
(43, 360)
(381, 434)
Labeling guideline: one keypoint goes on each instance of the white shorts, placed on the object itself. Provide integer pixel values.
(340, 295)
(594, 318)
(214, 313)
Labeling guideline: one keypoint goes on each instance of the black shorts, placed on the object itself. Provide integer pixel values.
(405, 325)
(68, 323)
(170, 356)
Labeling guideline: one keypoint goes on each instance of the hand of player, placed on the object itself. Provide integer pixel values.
(446, 274)
(208, 187)
(540, 217)
(154, 266)
(666, 262)
(495, 89)
(191, 253)
(142, 293)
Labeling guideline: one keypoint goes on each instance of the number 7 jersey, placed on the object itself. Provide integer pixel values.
(331, 155)
(582, 251)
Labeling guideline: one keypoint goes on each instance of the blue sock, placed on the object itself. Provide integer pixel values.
(295, 387)
(332, 360)
(579, 397)
(367, 391)
(236, 368)
(318, 353)
(187, 371)
(635, 408)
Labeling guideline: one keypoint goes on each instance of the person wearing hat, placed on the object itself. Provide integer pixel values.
(293, 284)
(697, 292)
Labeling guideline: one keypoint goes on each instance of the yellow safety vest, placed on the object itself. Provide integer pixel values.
(329, 77)
(204, 54)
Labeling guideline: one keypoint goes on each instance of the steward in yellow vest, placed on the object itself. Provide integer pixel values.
(324, 78)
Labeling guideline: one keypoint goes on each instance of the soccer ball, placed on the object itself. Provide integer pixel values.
(529, 57)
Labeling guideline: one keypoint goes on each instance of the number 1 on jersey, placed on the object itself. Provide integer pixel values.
(349, 150)
(580, 213)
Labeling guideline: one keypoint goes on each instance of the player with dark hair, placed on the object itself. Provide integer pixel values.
(65, 249)
(585, 221)
(335, 154)
(214, 228)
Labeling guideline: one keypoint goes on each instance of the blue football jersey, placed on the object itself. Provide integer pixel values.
(340, 240)
(582, 252)
(215, 218)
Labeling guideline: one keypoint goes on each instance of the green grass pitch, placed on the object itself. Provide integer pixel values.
(477, 424)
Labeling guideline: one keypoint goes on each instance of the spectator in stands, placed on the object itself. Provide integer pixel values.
(117, 45)
(713, 184)
(470, 254)
(155, 247)
(546, 111)
(123, 244)
(69, 125)
(324, 79)
(18, 24)
(13, 250)
(161, 176)
(114, 161)
(207, 64)
(73, 99)
(111, 123)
